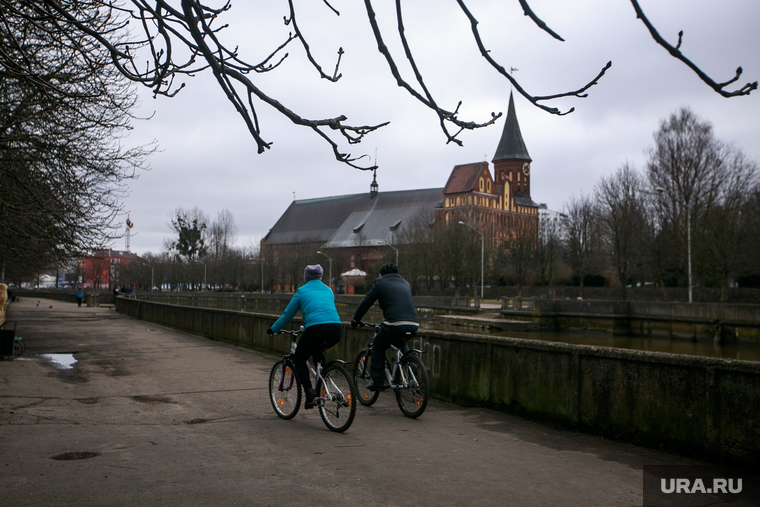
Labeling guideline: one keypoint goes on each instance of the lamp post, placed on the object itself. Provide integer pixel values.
(329, 259)
(390, 245)
(688, 246)
(482, 255)
(151, 274)
(394, 248)
(204, 275)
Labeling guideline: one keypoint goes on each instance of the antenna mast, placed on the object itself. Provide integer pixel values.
(128, 233)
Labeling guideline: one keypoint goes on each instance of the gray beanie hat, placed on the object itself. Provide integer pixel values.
(312, 273)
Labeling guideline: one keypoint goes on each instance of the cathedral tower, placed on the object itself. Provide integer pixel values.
(511, 161)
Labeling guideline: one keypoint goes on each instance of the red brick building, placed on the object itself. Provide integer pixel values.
(495, 205)
(106, 268)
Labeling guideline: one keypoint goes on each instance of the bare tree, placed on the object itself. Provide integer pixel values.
(621, 216)
(172, 40)
(582, 236)
(418, 237)
(64, 110)
(519, 259)
(686, 168)
(190, 227)
(727, 225)
(546, 255)
(222, 237)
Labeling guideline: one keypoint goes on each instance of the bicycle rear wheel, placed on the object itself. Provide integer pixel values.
(284, 389)
(412, 399)
(362, 378)
(339, 407)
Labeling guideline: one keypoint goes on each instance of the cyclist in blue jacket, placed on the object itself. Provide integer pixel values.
(322, 326)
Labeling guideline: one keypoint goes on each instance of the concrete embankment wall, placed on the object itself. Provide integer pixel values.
(637, 317)
(704, 406)
(346, 304)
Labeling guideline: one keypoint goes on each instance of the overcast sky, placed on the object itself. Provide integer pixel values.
(209, 160)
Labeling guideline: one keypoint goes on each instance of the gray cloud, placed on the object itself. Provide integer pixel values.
(209, 160)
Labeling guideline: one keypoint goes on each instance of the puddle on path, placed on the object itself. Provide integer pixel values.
(60, 361)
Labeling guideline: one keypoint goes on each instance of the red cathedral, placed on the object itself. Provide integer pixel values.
(496, 204)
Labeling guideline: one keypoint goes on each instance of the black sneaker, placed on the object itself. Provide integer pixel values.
(310, 395)
(376, 386)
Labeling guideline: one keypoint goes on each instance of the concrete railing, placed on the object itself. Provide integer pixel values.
(690, 404)
(278, 302)
(104, 297)
(637, 317)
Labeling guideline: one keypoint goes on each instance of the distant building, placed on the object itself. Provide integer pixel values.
(107, 268)
(361, 226)
(547, 215)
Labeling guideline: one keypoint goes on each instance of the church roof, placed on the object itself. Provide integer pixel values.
(351, 220)
(511, 145)
(525, 201)
(463, 177)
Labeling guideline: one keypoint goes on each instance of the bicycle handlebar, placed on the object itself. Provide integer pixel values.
(293, 333)
(369, 324)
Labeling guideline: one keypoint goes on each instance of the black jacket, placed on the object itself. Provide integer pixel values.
(395, 296)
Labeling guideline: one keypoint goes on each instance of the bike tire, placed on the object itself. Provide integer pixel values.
(284, 390)
(338, 409)
(413, 398)
(362, 378)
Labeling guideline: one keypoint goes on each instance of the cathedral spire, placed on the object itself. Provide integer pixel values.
(511, 145)
(373, 188)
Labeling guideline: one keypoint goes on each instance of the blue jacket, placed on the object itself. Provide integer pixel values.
(316, 302)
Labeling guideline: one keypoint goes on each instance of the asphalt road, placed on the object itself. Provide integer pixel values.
(160, 417)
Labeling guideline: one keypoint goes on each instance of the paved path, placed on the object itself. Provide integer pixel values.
(176, 419)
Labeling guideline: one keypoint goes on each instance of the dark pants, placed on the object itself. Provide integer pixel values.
(314, 342)
(79, 301)
(387, 336)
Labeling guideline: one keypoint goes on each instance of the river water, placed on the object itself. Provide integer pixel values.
(730, 349)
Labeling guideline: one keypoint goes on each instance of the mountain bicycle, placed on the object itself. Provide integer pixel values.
(336, 393)
(408, 378)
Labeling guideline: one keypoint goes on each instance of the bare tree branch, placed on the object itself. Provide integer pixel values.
(676, 53)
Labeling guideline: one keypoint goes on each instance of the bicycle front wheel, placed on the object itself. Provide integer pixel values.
(362, 378)
(338, 409)
(284, 389)
(412, 397)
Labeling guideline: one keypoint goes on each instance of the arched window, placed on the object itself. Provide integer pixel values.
(480, 183)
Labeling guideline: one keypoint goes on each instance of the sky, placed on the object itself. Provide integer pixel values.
(208, 159)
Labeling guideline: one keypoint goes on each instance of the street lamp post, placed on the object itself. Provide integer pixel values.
(688, 246)
(390, 245)
(396, 250)
(482, 255)
(151, 274)
(329, 259)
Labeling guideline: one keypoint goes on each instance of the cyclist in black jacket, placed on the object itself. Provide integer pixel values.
(395, 297)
